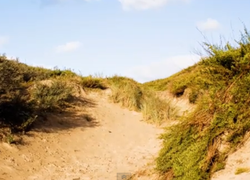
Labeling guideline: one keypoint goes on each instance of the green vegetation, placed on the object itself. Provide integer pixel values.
(126, 91)
(93, 82)
(27, 93)
(134, 96)
(242, 170)
(219, 85)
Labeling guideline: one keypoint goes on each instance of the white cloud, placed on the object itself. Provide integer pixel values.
(3, 40)
(161, 69)
(208, 25)
(146, 4)
(68, 47)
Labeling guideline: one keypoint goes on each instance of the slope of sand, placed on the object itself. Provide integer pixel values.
(95, 141)
(239, 159)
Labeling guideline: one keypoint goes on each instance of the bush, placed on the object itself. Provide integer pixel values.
(51, 96)
(15, 110)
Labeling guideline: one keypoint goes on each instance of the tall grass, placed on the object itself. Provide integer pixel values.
(132, 95)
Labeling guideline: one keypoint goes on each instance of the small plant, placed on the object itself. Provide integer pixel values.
(10, 139)
(242, 170)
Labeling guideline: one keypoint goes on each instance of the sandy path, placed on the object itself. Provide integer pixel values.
(69, 147)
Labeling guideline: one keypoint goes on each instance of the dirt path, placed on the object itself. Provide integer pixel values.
(71, 145)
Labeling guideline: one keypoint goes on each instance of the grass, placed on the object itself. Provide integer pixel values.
(93, 82)
(126, 91)
(241, 170)
(134, 96)
(51, 96)
(27, 93)
(219, 86)
(156, 110)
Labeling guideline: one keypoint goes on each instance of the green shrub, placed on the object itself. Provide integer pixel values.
(15, 109)
(51, 96)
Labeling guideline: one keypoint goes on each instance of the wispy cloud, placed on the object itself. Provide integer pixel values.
(208, 25)
(3, 40)
(162, 69)
(68, 47)
(146, 4)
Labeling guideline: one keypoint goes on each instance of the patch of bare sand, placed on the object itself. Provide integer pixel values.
(73, 145)
(238, 159)
(181, 103)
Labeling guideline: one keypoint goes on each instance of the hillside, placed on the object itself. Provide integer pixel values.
(204, 109)
(57, 124)
(218, 85)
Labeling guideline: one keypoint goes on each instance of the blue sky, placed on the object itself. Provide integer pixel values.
(141, 39)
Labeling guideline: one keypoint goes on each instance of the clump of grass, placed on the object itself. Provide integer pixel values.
(126, 91)
(157, 110)
(241, 170)
(93, 82)
(51, 96)
(63, 73)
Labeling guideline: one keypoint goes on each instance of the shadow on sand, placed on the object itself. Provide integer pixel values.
(72, 118)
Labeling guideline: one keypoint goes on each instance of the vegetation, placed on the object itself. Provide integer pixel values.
(93, 82)
(242, 170)
(134, 96)
(29, 92)
(221, 83)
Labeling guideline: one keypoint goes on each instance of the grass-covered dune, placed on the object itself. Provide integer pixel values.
(219, 85)
(193, 149)
(28, 93)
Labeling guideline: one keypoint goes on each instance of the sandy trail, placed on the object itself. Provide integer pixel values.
(70, 146)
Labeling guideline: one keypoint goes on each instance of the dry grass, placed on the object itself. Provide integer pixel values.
(242, 170)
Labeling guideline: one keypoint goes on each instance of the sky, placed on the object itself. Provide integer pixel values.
(141, 39)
